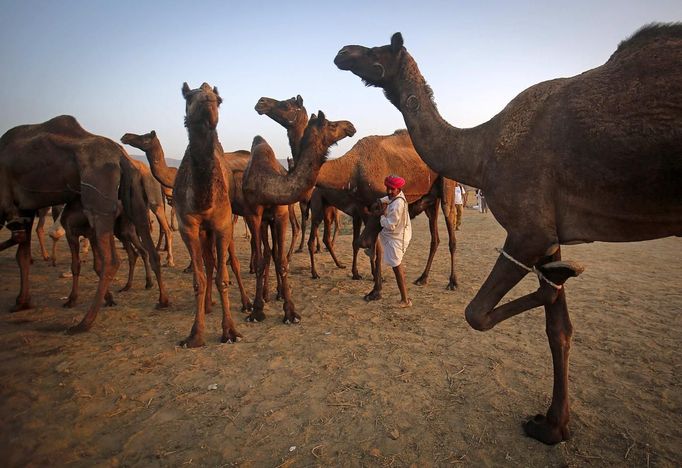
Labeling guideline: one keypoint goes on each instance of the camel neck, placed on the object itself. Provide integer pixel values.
(454, 153)
(157, 163)
(295, 134)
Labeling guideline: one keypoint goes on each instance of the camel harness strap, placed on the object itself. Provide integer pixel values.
(530, 270)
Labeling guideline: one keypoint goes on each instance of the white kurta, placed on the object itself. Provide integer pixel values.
(397, 230)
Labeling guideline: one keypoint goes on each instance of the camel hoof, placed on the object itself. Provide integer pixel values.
(148, 285)
(289, 321)
(163, 304)
(109, 303)
(187, 270)
(421, 281)
(77, 329)
(341, 266)
(247, 307)
(372, 296)
(356, 276)
(452, 286)
(192, 342)
(125, 288)
(540, 429)
(20, 307)
(69, 304)
(232, 336)
(255, 316)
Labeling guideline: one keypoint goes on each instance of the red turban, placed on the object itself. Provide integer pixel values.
(394, 182)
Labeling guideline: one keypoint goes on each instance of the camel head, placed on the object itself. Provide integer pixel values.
(288, 114)
(144, 142)
(201, 106)
(325, 133)
(369, 234)
(376, 66)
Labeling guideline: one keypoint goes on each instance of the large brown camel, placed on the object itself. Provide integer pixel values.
(265, 186)
(353, 181)
(594, 157)
(81, 165)
(202, 200)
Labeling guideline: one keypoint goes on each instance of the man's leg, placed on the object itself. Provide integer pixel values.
(399, 272)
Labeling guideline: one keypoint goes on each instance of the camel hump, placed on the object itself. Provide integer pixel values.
(650, 33)
(257, 140)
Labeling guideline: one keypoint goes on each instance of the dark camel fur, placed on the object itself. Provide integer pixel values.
(266, 187)
(594, 157)
(81, 165)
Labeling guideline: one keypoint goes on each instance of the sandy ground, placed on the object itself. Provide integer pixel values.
(354, 384)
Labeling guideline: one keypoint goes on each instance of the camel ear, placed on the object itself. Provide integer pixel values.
(185, 90)
(299, 100)
(320, 117)
(397, 42)
(153, 133)
(215, 90)
(313, 116)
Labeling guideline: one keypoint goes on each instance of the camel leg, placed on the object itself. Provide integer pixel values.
(74, 248)
(223, 239)
(278, 240)
(314, 224)
(142, 252)
(173, 225)
(295, 231)
(337, 220)
(267, 257)
(53, 259)
(234, 264)
(282, 268)
(329, 214)
(140, 220)
(165, 229)
(22, 236)
(432, 214)
(208, 239)
(304, 207)
(193, 241)
(40, 233)
(132, 260)
(257, 314)
(449, 215)
(375, 293)
(553, 427)
(103, 243)
(98, 267)
(357, 225)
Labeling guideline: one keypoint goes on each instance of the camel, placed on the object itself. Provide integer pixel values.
(202, 201)
(353, 181)
(594, 157)
(166, 176)
(292, 115)
(82, 165)
(75, 224)
(265, 186)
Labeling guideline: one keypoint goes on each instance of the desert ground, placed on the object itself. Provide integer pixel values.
(355, 383)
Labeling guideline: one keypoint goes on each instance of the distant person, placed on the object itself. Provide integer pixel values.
(460, 200)
(396, 232)
(482, 205)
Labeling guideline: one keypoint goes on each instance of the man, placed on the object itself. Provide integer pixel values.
(396, 233)
(460, 199)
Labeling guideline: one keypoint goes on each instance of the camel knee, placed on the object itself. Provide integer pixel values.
(477, 319)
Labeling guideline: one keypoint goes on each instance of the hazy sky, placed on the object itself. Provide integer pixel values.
(118, 66)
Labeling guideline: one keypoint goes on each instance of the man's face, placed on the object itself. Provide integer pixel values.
(391, 192)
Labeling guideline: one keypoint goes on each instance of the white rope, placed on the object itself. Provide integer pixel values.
(530, 270)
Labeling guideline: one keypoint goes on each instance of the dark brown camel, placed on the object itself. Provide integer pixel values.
(81, 165)
(42, 213)
(75, 224)
(266, 187)
(353, 181)
(594, 157)
(202, 200)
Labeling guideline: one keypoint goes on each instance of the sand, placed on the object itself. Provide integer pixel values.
(354, 384)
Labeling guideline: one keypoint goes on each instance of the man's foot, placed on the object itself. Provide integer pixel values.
(405, 304)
